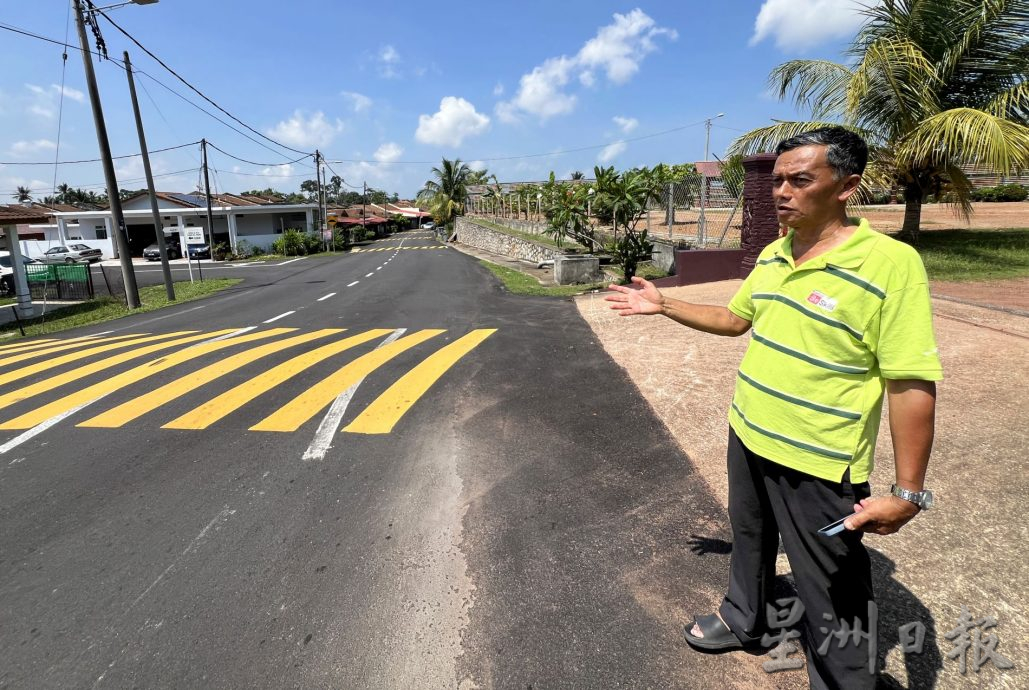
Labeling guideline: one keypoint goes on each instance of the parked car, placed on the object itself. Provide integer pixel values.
(7, 272)
(427, 225)
(199, 251)
(153, 252)
(71, 254)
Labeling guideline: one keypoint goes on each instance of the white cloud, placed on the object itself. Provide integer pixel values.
(498, 89)
(477, 165)
(358, 101)
(617, 50)
(74, 94)
(801, 24)
(43, 111)
(388, 152)
(306, 132)
(278, 173)
(611, 151)
(389, 58)
(456, 120)
(626, 124)
(21, 148)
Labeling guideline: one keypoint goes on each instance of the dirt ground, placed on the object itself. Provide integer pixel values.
(885, 218)
(968, 551)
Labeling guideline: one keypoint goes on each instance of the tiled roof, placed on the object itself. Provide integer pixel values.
(709, 168)
(17, 214)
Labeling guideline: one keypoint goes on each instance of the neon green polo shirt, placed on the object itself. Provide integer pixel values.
(826, 335)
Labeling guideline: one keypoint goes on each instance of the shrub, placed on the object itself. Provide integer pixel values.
(292, 243)
(221, 251)
(1002, 192)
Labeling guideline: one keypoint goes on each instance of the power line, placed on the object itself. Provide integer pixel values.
(244, 160)
(100, 185)
(206, 112)
(193, 88)
(97, 160)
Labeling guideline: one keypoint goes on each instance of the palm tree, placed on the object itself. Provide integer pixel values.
(478, 176)
(23, 194)
(578, 175)
(935, 86)
(447, 192)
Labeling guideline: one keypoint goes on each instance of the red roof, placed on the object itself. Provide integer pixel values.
(16, 215)
(709, 168)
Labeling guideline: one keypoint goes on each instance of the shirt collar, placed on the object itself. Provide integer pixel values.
(851, 254)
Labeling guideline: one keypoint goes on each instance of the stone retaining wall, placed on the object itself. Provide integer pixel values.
(474, 235)
(530, 226)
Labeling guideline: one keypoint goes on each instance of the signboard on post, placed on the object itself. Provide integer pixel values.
(194, 235)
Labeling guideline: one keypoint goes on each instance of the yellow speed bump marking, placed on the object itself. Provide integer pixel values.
(98, 390)
(383, 414)
(126, 412)
(27, 392)
(65, 345)
(82, 354)
(28, 346)
(302, 408)
(231, 400)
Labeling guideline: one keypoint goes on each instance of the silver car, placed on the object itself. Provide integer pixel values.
(70, 254)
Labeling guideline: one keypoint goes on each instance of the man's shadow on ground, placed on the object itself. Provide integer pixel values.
(897, 606)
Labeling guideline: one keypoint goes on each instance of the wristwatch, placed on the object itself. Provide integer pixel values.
(922, 499)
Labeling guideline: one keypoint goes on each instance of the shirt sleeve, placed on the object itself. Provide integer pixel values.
(903, 339)
(742, 305)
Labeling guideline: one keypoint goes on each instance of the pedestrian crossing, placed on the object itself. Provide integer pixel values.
(364, 250)
(183, 365)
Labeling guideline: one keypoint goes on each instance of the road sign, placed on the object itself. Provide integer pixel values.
(194, 235)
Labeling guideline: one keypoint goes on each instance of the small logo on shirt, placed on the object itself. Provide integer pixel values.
(819, 300)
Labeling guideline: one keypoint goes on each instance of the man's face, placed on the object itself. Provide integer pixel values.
(805, 193)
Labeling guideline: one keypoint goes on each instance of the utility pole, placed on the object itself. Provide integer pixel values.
(120, 231)
(364, 204)
(158, 225)
(321, 198)
(210, 218)
(702, 226)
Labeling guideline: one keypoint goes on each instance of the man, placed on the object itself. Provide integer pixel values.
(839, 314)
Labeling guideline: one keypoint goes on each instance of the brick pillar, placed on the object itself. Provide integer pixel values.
(760, 223)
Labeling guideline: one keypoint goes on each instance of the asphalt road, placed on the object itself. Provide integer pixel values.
(370, 470)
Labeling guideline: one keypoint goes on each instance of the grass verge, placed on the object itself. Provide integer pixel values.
(108, 308)
(646, 271)
(975, 254)
(521, 284)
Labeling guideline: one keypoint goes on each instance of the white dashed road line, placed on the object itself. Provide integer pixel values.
(354, 283)
(280, 316)
(289, 262)
(370, 275)
(322, 299)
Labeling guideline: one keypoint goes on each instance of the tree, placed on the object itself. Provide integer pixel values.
(578, 175)
(23, 194)
(311, 188)
(447, 191)
(478, 176)
(934, 86)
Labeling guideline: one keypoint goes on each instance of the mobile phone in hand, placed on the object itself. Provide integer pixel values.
(834, 528)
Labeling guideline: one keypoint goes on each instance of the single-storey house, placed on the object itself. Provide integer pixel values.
(237, 218)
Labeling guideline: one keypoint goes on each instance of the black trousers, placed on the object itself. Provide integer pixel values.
(832, 574)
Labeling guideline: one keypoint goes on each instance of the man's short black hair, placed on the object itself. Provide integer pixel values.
(846, 152)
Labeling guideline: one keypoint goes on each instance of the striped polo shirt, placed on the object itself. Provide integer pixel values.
(826, 335)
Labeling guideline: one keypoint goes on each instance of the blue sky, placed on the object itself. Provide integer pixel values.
(387, 87)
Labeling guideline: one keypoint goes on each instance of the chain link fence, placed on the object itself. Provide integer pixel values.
(704, 211)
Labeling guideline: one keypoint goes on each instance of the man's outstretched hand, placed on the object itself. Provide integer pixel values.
(884, 515)
(629, 302)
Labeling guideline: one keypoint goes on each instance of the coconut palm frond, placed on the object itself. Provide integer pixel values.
(894, 83)
(960, 191)
(766, 139)
(970, 137)
(820, 86)
(1012, 103)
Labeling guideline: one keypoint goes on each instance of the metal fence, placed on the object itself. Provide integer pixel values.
(60, 281)
(703, 211)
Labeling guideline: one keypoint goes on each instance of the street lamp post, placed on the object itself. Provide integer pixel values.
(702, 224)
(120, 231)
